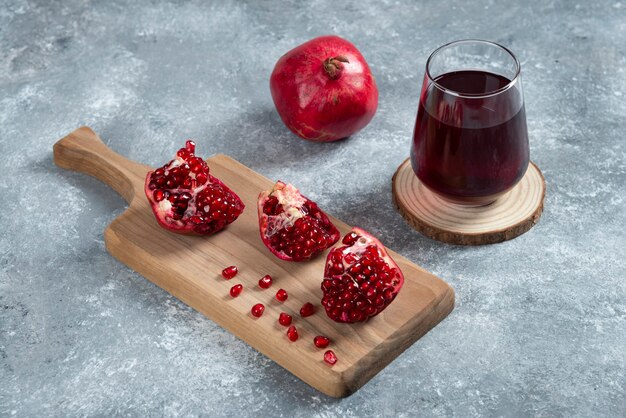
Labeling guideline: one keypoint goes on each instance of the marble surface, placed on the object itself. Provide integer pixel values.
(539, 328)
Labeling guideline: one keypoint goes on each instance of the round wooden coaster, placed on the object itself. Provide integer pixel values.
(509, 216)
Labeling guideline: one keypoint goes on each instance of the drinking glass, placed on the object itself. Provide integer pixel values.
(470, 143)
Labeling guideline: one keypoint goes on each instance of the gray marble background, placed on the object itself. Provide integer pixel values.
(539, 328)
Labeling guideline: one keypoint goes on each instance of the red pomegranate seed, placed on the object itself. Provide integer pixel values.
(281, 295)
(159, 195)
(230, 272)
(257, 310)
(350, 238)
(330, 357)
(321, 341)
(292, 333)
(284, 319)
(307, 310)
(265, 282)
(236, 290)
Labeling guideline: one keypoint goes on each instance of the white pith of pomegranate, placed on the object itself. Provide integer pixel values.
(292, 227)
(360, 278)
(187, 199)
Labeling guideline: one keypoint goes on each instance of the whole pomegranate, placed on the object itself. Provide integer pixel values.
(360, 278)
(324, 90)
(293, 227)
(187, 199)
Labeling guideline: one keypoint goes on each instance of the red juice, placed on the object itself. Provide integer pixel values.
(470, 142)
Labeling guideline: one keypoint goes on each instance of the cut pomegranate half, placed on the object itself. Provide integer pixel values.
(186, 199)
(293, 227)
(360, 278)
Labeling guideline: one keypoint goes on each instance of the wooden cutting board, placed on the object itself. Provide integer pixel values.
(189, 268)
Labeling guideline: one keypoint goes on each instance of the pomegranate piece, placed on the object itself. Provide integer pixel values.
(293, 227)
(323, 89)
(360, 278)
(230, 272)
(292, 333)
(187, 199)
(330, 357)
(307, 310)
(284, 319)
(236, 290)
(257, 310)
(265, 282)
(281, 295)
(321, 342)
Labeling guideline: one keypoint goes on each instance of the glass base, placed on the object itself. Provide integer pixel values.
(467, 201)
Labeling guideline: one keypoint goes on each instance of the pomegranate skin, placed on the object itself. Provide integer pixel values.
(319, 102)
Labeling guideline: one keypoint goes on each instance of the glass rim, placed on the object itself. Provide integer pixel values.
(478, 95)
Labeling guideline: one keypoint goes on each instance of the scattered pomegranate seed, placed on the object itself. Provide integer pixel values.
(257, 310)
(265, 282)
(292, 333)
(330, 357)
(236, 290)
(281, 295)
(307, 310)
(284, 319)
(321, 341)
(230, 272)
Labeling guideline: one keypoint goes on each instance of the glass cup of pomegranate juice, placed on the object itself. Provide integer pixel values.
(470, 143)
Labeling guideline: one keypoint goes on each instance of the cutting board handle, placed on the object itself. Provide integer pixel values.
(83, 151)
